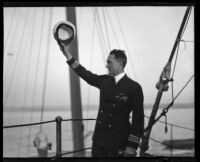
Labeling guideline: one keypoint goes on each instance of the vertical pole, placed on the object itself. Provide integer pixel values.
(171, 141)
(58, 136)
(163, 85)
(76, 109)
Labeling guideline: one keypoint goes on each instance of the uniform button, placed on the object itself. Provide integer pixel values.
(110, 114)
(99, 122)
(113, 105)
(101, 111)
(109, 125)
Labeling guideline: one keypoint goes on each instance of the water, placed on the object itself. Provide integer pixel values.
(18, 142)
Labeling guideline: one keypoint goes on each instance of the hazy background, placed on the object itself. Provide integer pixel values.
(146, 33)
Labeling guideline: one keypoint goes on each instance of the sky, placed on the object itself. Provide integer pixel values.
(147, 34)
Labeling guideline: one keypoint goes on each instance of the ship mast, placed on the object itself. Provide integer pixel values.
(162, 85)
(76, 109)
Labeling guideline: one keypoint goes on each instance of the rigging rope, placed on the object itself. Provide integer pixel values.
(23, 125)
(27, 73)
(106, 28)
(30, 128)
(38, 58)
(46, 64)
(90, 65)
(9, 63)
(172, 83)
(8, 35)
(20, 68)
(113, 30)
(186, 23)
(179, 40)
(101, 33)
(174, 125)
(102, 47)
(38, 123)
(114, 33)
(126, 44)
(187, 41)
(15, 64)
(36, 74)
(165, 110)
(172, 75)
(16, 60)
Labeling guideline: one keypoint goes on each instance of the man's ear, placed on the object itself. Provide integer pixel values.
(121, 63)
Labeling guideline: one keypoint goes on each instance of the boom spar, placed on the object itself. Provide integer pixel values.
(162, 86)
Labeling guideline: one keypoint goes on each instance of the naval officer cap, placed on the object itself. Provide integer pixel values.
(64, 31)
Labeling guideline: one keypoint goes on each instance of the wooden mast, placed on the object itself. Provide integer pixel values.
(162, 85)
(76, 109)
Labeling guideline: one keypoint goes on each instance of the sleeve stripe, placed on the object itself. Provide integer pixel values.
(134, 140)
(134, 136)
(75, 64)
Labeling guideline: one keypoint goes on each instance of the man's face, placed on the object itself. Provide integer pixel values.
(114, 66)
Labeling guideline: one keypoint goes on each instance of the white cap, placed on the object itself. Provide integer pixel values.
(64, 31)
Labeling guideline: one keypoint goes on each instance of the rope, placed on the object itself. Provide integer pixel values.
(186, 23)
(113, 30)
(17, 56)
(38, 58)
(28, 68)
(15, 78)
(172, 83)
(26, 38)
(36, 76)
(24, 125)
(82, 120)
(39, 123)
(106, 28)
(91, 53)
(183, 87)
(46, 65)
(14, 14)
(102, 47)
(125, 42)
(186, 41)
(165, 110)
(100, 28)
(8, 65)
(174, 125)
(78, 119)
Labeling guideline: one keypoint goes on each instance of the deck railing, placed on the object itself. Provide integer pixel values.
(59, 121)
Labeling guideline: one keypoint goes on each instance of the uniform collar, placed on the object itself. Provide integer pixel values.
(119, 76)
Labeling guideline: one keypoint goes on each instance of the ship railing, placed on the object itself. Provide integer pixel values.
(59, 121)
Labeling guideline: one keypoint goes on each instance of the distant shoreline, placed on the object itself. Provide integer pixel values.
(95, 107)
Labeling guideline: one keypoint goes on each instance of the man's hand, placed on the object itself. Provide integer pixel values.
(130, 152)
(65, 51)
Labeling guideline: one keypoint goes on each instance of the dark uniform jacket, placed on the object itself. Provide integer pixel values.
(113, 128)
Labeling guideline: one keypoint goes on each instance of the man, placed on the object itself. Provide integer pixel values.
(114, 135)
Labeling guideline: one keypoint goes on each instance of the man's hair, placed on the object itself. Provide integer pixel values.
(119, 55)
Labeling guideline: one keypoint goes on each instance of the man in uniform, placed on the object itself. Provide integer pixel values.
(114, 134)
